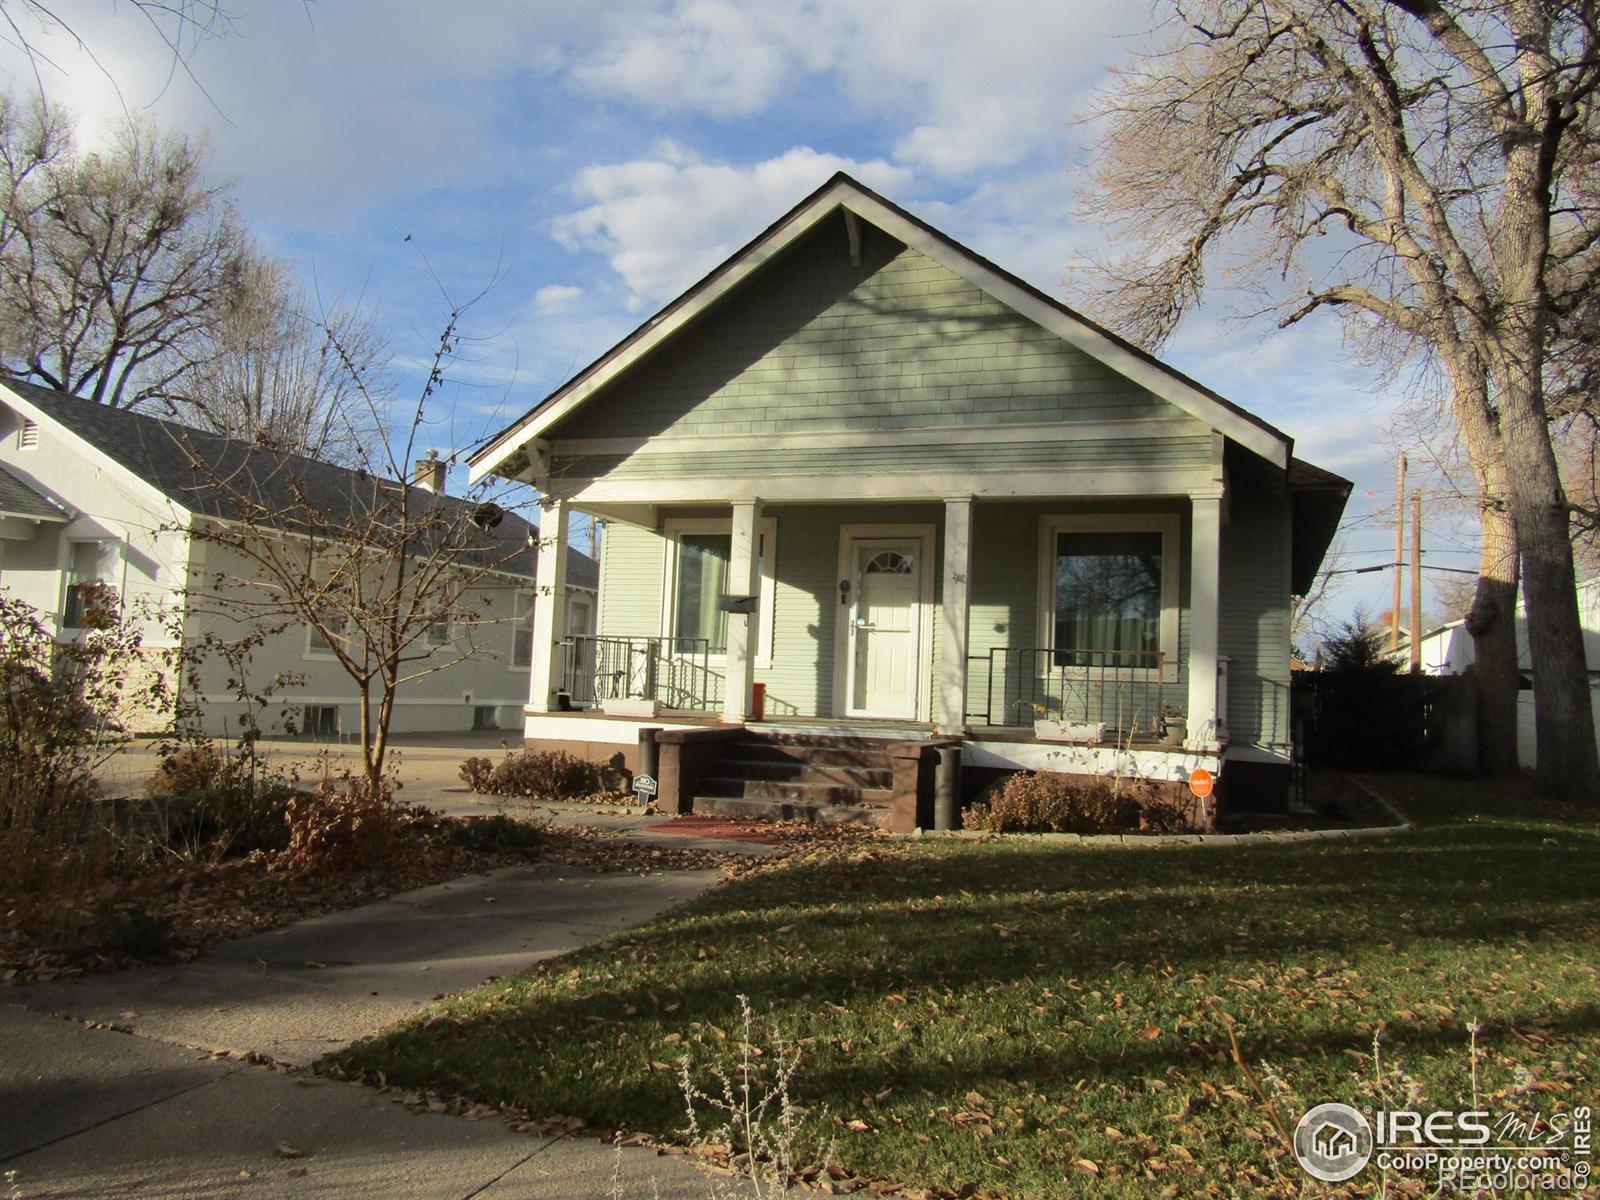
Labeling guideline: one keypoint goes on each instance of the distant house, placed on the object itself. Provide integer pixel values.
(866, 492)
(92, 495)
(1448, 650)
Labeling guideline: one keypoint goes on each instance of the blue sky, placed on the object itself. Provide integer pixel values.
(595, 159)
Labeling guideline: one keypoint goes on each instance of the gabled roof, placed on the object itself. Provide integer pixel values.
(855, 197)
(19, 498)
(164, 455)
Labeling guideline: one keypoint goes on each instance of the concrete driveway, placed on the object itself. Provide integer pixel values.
(110, 1087)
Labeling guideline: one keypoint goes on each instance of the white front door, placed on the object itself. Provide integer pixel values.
(884, 636)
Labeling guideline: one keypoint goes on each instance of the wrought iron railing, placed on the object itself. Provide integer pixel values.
(675, 672)
(1127, 691)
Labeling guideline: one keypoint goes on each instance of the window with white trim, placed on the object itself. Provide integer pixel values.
(440, 633)
(92, 571)
(1109, 591)
(699, 555)
(522, 628)
(317, 644)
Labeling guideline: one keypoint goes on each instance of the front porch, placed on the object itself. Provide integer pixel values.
(956, 616)
(899, 627)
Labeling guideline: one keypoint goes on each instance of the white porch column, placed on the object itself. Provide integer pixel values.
(1205, 586)
(549, 608)
(950, 707)
(744, 579)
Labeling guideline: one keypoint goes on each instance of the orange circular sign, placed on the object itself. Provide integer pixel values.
(1201, 783)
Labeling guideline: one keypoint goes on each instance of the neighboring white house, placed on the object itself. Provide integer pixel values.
(95, 495)
(1447, 650)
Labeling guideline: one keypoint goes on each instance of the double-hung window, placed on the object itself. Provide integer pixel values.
(92, 571)
(699, 558)
(522, 628)
(1109, 591)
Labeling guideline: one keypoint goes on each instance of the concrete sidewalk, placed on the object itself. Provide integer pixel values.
(149, 1111)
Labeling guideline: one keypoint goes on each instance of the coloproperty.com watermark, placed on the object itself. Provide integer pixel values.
(1474, 1150)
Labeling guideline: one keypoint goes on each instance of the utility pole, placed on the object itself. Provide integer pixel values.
(1399, 550)
(1416, 582)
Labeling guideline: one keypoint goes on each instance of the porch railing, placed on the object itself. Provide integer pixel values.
(1125, 690)
(674, 671)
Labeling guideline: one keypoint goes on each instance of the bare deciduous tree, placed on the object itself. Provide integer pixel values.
(114, 267)
(1410, 165)
(392, 578)
(276, 372)
(127, 278)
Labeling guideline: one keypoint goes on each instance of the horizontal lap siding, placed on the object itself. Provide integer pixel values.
(1253, 624)
(800, 680)
(1083, 454)
(632, 562)
(814, 343)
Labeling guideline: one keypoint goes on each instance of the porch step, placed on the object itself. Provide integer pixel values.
(746, 809)
(793, 790)
(863, 771)
(790, 776)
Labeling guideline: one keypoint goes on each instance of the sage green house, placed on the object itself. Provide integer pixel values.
(863, 489)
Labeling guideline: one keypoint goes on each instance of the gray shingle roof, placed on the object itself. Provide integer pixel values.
(19, 498)
(169, 456)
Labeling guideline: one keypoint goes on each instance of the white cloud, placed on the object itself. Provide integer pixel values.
(706, 56)
(319, 112)
(974, 85)
(558, 297)
(663, 221)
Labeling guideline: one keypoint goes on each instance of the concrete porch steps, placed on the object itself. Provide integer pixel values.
(820, 777)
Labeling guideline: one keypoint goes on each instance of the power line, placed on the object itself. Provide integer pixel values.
(1389, 566)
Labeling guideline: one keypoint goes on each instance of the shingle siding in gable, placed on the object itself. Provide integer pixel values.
(816, 344)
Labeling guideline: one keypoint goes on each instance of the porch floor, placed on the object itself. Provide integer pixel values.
(865, 727)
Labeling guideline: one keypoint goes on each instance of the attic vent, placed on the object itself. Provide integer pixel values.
(28, 435)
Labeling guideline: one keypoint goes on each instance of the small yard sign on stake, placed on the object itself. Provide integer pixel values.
(644, 786)
(1201, 783)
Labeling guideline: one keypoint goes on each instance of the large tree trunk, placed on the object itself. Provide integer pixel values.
(1492, 623)
(1568, 767)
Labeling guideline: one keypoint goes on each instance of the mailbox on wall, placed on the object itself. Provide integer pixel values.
(737, 604)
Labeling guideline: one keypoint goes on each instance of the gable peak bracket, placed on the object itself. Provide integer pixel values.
(852, 231)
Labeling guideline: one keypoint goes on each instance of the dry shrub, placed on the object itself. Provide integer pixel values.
(1051, 802)
(217, 804)
(344, 824)
(476, 773)
(60, 707)
(541, 775)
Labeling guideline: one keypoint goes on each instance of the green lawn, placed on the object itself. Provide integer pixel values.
(1043, 1021)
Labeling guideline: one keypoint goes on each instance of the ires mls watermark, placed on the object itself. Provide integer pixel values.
(1469, 1151)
